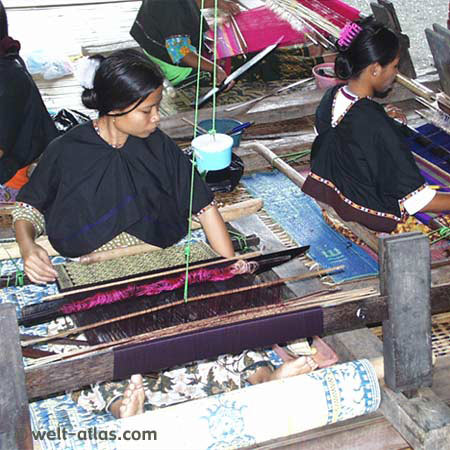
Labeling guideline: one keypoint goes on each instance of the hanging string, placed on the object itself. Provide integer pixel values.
(213, 129)
(187, 249)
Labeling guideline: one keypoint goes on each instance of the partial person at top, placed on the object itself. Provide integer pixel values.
(361, 164)
(169, 33)
(25, 125)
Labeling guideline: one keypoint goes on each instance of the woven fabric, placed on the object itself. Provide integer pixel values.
(75, 274)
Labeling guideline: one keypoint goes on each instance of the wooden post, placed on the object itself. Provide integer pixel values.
(405, 279)
(385, 13)
(15, 428)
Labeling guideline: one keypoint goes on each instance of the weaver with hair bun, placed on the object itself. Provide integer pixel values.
(361, 164)
(115, 181)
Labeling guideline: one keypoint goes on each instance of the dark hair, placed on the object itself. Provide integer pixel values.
(3, 22)
(374, 43)
(123, 78)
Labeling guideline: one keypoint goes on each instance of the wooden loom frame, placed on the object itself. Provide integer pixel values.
(404, 298)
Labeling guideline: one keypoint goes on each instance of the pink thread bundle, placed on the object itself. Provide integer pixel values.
(169, 284)
(348, 34)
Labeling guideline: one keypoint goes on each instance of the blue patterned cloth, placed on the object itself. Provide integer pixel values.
(301, 217)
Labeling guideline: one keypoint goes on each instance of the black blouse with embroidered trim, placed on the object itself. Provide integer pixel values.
(363, 166)
(90, 192)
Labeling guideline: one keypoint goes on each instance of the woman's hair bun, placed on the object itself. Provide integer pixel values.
(89, 99)
(343, 67)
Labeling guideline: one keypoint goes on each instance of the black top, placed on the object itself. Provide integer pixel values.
(158, 20)
(25, 125)
(365, 157)
(89, 192)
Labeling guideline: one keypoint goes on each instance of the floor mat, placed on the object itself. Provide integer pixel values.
(302, 218)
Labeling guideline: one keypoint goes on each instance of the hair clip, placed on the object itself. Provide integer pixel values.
(348, 33)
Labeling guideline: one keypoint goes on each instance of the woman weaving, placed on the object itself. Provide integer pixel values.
(120, 180)
(170, 37)
(115, 181)
(360, 162)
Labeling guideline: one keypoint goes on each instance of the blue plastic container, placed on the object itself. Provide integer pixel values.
(212, 152)
(222, 126)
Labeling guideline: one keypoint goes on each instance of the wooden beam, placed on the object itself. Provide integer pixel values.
(424, 421)
(15, 428)
(405, 279)
(275, 109)
(59, 376)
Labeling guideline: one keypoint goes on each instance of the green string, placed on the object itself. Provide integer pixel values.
(187, 250)
(213, 130)
(444, 233)
(293, 157)
(241, 239)
(19, 278)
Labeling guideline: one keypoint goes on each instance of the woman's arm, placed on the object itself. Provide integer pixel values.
(216, 232)
(36, 261)
(227, 6)
(440, 202)
(191, 60)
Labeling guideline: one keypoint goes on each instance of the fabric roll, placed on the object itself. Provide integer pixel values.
(260, 413)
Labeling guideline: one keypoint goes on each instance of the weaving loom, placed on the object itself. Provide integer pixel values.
(431, 148)
(261, 27)
(250, 314)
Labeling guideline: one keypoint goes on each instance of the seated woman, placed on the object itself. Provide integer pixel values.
(115, 181)
(25, 125)
(360, 162)
(117, 178)
(170, 37)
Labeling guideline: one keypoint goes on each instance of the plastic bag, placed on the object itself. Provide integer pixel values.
(66, 119)
(50, 66)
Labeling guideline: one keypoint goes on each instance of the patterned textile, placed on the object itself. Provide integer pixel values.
(301, 217)
(8, 194)
(239, 418)
(260, 27)
(75, 274)
(178, 47)
(197, 380)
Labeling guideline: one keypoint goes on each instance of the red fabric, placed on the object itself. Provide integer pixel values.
(19, 179)
(261, 27)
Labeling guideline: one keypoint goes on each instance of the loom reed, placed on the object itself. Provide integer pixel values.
(180, 302)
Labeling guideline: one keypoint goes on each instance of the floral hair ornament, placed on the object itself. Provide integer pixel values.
(85, 71)
(347, 34)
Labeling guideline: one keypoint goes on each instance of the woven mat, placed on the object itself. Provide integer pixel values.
(75, 274)
(440, 334)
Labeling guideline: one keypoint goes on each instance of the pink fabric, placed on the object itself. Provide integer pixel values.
(169, 284)
(261, 27)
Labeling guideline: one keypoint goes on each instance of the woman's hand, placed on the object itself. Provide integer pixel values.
(37, 264)
(229, 7)
(396, 113)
